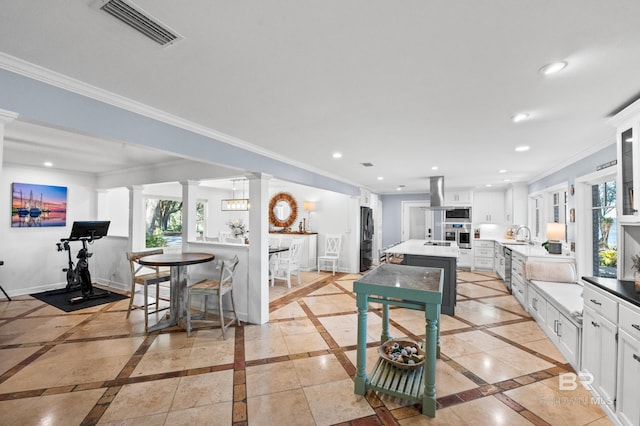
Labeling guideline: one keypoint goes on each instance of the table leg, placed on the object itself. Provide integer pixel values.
(361, 361)
(432, 315)
(385, 322)
(177, 285)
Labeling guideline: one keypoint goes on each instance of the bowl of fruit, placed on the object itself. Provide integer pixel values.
(405, 354)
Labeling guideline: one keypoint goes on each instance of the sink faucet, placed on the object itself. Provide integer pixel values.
(527, 238)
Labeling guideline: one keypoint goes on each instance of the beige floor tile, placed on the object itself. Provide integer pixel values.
(292, 310)
(450, 381)
(555, 406)
(171, 341)
(301, 326)
(523, 332)
(454, 346)
(142, 399)
(283, 408)
(473, 276)
(523, 361)
(33, 330)
(327, 289)
(221, 414)
(346, 284)
(60, 409)
(331, 304)
(162, 362)
(450, 323)
(301, 343)
(444, 417)
(372, 358)
(271, 378)
(482, 340)
(151, 420)
(266, 348)
(496, 285)
(545, 347)
(203, 389)
(335, 402)
(218, 353)
(473, 290)
(263, 331)
(21, 306)
(337, 322)
(9, 358)
(319, 369)
(490, 411)
(488, 367)
(480, 314)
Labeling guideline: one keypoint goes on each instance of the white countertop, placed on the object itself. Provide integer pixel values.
(530, 251)
(417, 247)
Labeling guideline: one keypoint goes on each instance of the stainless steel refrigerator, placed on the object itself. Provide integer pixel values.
(366, 238)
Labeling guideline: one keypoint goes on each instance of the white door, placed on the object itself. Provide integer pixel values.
(417, 221)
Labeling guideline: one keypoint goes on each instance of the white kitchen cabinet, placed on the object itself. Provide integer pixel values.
(488, 207)
(628, 392)
(520, 291)
(537, 307)
(498, 259)
(515, 204)
(483, 254)
(458, 198)
(599, 354)
(564, 333)
(627, 123)
(466, 258)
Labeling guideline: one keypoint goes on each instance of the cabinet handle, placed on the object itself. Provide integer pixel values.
(535, 303)
(595, 302)
(558, 329)
(595, 324)
(636, 357)
(636, 326)
(520, 291)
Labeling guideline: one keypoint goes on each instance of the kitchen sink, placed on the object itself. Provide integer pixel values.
(516, 243)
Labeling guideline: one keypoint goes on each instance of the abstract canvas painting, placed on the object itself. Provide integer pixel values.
(38, 205)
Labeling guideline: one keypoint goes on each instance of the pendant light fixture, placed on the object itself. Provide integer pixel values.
(235, 204)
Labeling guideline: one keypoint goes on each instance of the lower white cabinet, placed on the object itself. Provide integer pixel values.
(483, 254)
(465, 260)
(519, 291)
(600, 354)
(537, 307)
(628, 392)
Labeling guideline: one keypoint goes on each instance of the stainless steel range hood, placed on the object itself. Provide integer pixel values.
(436, 190)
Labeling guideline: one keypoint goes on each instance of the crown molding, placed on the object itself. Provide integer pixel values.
(573, 159)
(7, 116)
(53, 78)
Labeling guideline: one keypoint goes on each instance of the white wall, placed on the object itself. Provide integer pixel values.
(31, 260)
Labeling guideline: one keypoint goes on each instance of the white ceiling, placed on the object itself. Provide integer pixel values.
(403, 85)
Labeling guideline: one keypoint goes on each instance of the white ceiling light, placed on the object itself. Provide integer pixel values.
(521, 116)
(522, 148)
(553, 68)
(502, 171)
(337, 155)
(434, 168)
(47, 164)
(380, 178)
(488, 185)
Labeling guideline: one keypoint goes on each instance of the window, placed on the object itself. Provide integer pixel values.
(604, 237)
(537, 219)
(201, 215)
(163, 222)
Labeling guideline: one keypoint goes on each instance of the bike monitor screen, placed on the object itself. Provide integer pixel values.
(89, 230)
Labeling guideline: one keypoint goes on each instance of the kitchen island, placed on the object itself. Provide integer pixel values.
(436, 254)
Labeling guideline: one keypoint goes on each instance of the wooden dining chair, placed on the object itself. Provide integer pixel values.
(218, 286)
(146, 276)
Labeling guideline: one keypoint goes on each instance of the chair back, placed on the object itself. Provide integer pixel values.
(134, 256)
(227, 271)
(274, 241)
(295, 250)
(333, 244)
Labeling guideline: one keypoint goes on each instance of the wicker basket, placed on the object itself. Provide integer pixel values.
(385, 349)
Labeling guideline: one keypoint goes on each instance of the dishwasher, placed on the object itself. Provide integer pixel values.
(507, 268)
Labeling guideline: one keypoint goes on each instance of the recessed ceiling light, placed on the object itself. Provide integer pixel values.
(553, 68)
(47, 164)
(434, 168)
(507, 180)
(399, 188)
(522, 148)
(380, 178)
(519, 117)
(488, 185)
(502, 171)
(337, 155)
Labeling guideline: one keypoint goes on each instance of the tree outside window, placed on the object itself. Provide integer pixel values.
(164, 223)
(201, 214)
(604, 235)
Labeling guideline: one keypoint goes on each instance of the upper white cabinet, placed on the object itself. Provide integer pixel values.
(515, 204)
(488, 207)
(458, 198)
(627, 123)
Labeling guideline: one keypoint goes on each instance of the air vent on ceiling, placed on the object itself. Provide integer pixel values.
(140, 21)
(367, 164)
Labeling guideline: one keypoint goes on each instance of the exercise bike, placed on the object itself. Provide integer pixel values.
(78, 275)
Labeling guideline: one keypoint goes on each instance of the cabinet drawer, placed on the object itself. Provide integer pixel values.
(484, 244)
(537, 305)
(630, 321)
(483, 262)
(518, 290)
(600, 303)
(484, 252)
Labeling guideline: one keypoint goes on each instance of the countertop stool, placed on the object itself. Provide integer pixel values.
(5, 293)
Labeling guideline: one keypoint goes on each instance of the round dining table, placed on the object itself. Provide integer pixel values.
(177, 262)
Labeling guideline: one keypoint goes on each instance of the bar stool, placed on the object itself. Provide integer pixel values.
(5, 293)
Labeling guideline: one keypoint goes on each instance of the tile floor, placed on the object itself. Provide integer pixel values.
(94, 366)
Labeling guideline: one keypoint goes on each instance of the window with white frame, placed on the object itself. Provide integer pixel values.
(604, 239)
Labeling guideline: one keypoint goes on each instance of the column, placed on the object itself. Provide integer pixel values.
(137, 238)
(5, 118)
(258, 271)
(189, 199)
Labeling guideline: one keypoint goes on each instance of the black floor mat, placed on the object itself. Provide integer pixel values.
(60, 299)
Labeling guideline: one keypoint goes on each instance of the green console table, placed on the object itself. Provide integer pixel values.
(413, 287)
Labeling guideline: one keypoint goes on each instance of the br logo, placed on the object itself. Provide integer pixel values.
(569, 381)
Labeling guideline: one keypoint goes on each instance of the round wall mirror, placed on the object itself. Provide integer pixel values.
(283, 210)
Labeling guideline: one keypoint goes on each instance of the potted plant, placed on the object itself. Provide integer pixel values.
(635, 266)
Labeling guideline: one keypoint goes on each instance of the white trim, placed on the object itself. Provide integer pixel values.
(39, 73)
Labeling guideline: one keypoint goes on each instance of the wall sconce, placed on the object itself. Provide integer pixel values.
(235, 204)
(556, 233)
(308, 206)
